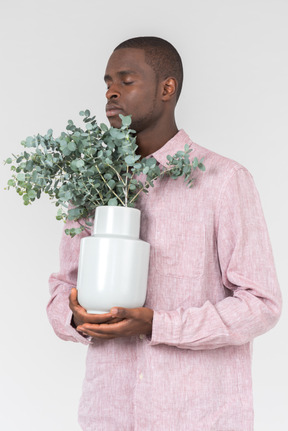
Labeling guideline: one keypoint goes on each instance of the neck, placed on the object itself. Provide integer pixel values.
(153, 138)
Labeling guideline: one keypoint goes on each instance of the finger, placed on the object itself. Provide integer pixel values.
(118, 329)
(123, 313)
(78, 310)
(99, 336)
(113, 320)
(73, 302)
(98, 318)
(73, 297)
(94, 318)
(94, 334)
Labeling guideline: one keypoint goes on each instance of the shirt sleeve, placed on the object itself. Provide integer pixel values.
(60, 285)
(253, 304)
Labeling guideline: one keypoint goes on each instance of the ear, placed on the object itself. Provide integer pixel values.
(169, 88)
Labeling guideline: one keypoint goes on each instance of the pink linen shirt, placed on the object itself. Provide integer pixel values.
(213, 288)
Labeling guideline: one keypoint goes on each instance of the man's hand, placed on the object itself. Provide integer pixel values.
(80, 316)
(120, 322)
(132, 321)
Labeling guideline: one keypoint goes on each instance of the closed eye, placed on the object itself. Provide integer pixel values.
(123, 82)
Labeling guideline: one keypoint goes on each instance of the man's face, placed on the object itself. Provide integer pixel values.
(132, 89)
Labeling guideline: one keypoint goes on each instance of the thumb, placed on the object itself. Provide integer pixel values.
(119, 312)
(73, 295)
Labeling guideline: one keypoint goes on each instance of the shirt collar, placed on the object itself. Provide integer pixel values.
(171, 147)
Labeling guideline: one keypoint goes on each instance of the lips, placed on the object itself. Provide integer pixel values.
(113, 110)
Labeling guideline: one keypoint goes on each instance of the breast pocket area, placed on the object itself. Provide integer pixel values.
(179, 247)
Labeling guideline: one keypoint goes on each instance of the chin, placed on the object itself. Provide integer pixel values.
(115, 122)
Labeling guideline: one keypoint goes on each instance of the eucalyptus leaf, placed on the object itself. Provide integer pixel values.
(129, 160)
(21, 177)
(72, 146)
(126, 121)
(112, 202)
(146, 170)
(104, 127)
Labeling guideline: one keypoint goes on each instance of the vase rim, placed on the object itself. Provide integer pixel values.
(118, 207)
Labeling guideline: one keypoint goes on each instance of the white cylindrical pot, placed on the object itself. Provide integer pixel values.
(113, 262)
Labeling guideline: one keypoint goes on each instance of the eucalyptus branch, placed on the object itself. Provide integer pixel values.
(146, 184)
(126, 188)
(100, 194)
(87, 228)
(117, 173)
(87, 190)
(85, 165)
(137, 194)
(107, 185)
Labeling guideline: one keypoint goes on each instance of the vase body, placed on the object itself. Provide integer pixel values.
(113, 262)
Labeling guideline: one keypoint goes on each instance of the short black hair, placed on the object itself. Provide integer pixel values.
(160, 55)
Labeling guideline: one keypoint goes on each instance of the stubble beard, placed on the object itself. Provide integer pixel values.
(148, 120)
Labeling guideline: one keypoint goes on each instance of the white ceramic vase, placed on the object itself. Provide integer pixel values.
(113, 262)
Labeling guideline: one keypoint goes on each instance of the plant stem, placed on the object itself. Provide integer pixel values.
(100, 194)
(104, 180)
(117, 173)
(126, 191)
(87, 228)
(92, 185)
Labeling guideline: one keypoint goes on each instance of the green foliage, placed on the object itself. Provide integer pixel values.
(84, 168)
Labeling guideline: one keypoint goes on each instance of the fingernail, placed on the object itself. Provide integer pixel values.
(114, 311)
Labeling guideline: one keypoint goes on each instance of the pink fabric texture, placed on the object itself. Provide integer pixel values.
(213, 288)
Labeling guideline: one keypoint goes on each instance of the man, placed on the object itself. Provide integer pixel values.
(182, 362)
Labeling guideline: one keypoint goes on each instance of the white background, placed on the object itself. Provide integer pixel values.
(53, 57)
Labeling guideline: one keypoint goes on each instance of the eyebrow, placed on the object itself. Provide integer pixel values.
(122, 73)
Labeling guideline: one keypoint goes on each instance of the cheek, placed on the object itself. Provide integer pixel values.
(140, 104)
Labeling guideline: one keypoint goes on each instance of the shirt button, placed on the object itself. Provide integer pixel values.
(141, 376)
(141, 336)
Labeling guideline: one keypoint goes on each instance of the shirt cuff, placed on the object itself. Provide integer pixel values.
(165, 328)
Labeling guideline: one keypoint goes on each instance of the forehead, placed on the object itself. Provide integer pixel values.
(128, 60)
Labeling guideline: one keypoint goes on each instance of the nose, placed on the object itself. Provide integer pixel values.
(112, 92)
